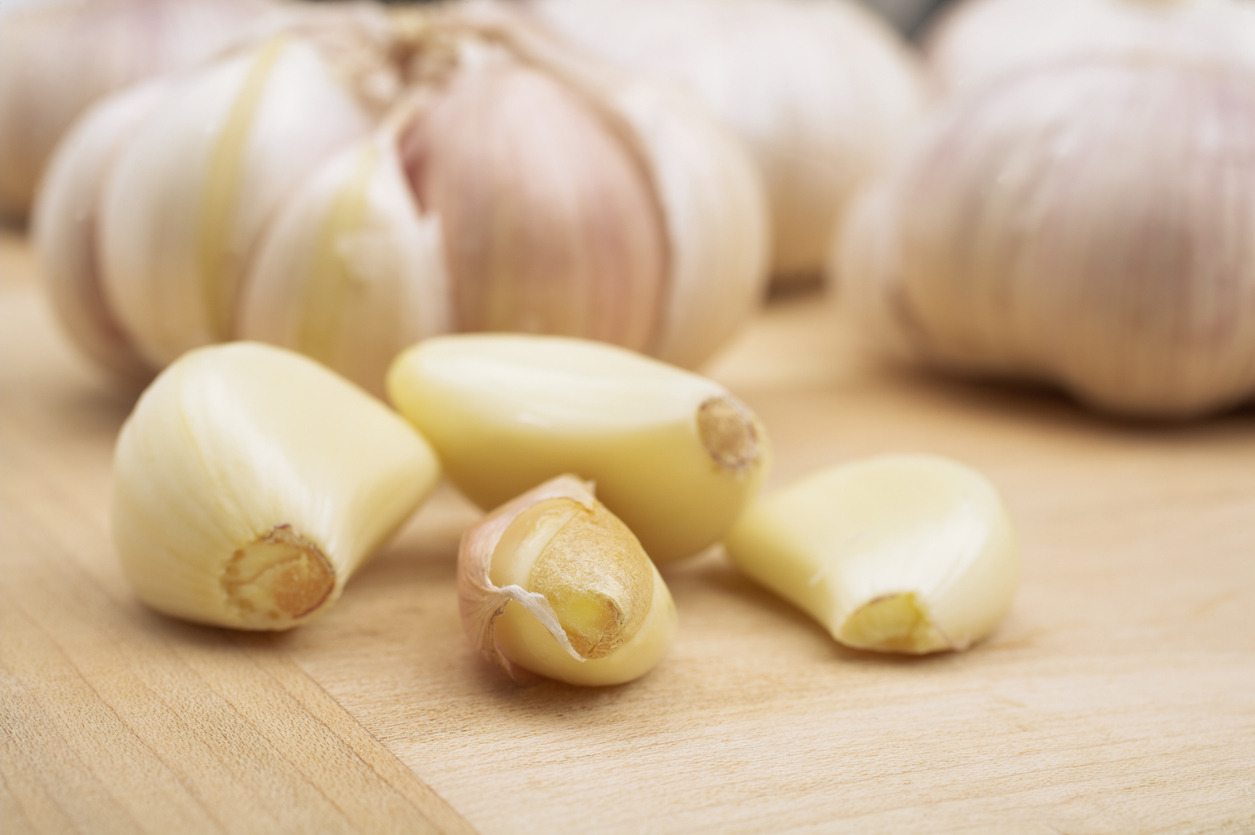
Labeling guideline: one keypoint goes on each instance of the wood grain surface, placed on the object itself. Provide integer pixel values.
(1117, 697)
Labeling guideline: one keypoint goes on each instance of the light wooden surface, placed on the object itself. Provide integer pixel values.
(1118, 696)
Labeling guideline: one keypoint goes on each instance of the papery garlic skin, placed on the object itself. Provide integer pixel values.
(552, 584)
(673, 454)
(979, 40)
(57, 58)
(898, 553)
(821, 92)
(1089, 224)
(189, 197)
(351, 272)
(64, 227)
(249, 483)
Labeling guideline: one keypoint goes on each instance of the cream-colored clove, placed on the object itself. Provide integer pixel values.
(673, 454)
(902, 553)
(250, 483)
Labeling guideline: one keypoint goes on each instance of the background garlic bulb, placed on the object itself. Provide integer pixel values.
(358, 181)
(822, 91)
(56, 58)
(982, 39)
(1090, 223)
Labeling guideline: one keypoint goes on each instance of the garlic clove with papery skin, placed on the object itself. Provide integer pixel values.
(979, 40)
(553, 584)
(190, 195)
(898, 553)
(673, 454)
(1087, 223)
(64, 227)
(249, 483)
(351, 272)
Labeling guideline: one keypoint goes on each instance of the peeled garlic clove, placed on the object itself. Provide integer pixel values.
(551, 583)
(189, 197)
(821, 93)
(57, 58)
(250, 483)
(64, 229)
(351, 273)
(980, 40)
(1087, 223)
(901, 553)
(673, 454)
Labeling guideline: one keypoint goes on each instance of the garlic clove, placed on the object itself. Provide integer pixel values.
(1021, 237)
(552, 583)
(711, 196)
(64, 227)
(673, 454)
(189, 197)
(549, 224)
(250, 483)
(352, 273)
(902, 553)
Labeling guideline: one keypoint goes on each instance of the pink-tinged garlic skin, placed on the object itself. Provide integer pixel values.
(548, 218)
(979, 40)
(1088, 223)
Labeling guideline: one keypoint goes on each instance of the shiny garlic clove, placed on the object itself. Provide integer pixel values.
(902, 553)
(250, 483)
(673, 454)
(553, 584)
(980, 40)
(1088, 223)
(822, 93)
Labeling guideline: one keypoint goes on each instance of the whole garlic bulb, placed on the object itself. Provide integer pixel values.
(1090, 223)
(981, 39)
(822, 91)
(57, 58)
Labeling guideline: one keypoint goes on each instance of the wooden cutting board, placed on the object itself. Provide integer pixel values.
(1118, 696)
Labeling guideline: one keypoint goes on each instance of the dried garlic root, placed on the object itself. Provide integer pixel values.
(673, 454)
(900, 553)
(553, 584)
(249, 483)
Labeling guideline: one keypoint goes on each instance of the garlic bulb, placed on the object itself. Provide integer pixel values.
(1090, 223)
(821, 92)
(673, 454)
(978, 40)
(551, 583)
(369, 181)
(899, 553)
(249, 483)
(56, 58)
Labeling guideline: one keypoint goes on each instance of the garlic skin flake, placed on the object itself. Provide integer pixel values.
(821, 93)
(589, 607)
(249, 484)
(673, 454)
(1087, 223)
(899, 553)
(979, 40)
